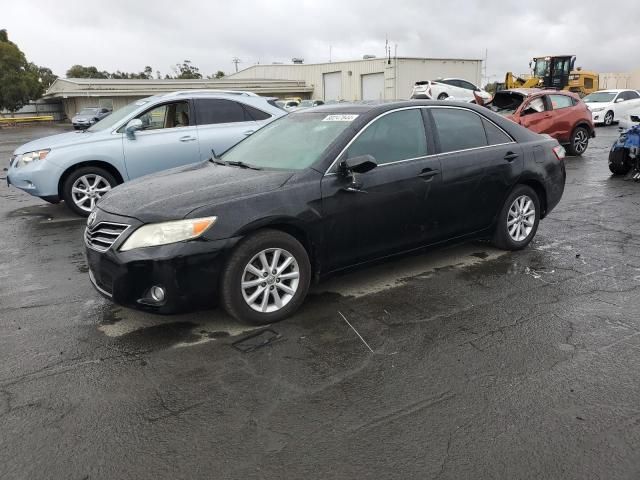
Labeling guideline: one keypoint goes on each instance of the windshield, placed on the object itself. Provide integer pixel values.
(541, 68)
(600, 97)
(88, 111)
(506, 102)
(306, 103)
(110, 120)
(294, 142)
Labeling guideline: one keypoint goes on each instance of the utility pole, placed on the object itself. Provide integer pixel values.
(236, 61)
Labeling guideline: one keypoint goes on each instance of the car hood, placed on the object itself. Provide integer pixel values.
(172, 194)
(85, 117)
(57, 141)
(598, 104)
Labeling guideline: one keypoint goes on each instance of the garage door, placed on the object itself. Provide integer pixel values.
(332, 84)
(373, 86)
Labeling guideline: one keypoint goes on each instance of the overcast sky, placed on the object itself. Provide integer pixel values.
(129, 34)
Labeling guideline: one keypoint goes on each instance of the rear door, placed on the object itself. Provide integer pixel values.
(395, 206)
(221, 124)
(169, 138)
(480, 164)
(563, 114)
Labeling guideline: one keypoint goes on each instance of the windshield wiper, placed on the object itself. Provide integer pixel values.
(217, 162)
(241, 165)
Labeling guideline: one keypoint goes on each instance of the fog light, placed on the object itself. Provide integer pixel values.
(157, 294)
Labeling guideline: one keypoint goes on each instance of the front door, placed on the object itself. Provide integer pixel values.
(169, 138)
(536, 115)
(393, 205)
(480, 164)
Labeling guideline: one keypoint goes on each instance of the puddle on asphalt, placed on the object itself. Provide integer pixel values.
(146, 329)
(48, 214)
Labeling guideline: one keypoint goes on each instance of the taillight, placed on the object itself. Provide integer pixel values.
(560, 152)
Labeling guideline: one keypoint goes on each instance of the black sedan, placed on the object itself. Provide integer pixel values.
(316, 192)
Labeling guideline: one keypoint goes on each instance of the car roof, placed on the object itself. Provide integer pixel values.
(534, 91)
(376, 107)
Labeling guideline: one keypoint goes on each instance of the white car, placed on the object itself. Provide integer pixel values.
(632, 118)
(608, 106)
(448, 89)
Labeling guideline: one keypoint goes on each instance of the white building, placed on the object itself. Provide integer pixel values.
(367, 79)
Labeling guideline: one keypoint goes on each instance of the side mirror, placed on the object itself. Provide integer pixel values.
(132, 127)
(359, 164)
(618, 100)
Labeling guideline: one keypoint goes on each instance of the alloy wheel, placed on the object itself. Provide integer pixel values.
(88, 189)
(580, 141)
(521, 218)
(270, 280)
(608, 118)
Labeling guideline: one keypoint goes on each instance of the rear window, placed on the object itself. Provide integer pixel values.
(214, 110)
(255, 113)
(495, 136)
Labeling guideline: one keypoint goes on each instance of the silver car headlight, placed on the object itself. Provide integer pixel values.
(154, 234)
(26, 158)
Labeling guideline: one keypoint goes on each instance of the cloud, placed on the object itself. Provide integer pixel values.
(127, 36)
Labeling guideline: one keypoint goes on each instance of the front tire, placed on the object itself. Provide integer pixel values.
(84, 187)
(579, 142)
(618, 164)
(266, 279)
(608, 119)
(518, 219)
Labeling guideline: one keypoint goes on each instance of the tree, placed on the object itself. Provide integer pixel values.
(187, 71)
(80, 71)
(219, 74)
(19, 83)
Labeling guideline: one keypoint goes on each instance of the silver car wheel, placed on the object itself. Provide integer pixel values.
(270, 280)
(87, 190)
(580, 141)
(608, 119)
(521, 218)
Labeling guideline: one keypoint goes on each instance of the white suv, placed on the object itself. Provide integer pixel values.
(448, 89)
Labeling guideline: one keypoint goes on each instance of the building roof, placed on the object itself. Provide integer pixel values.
(97, 87)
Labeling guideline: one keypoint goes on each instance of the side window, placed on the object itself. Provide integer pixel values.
(170, 115)
(214, 110)
(535, 106)
(468, 85)
(255, 114)
(458, 129)
(495, 136)
(632, 95)
(559, 102)
(392, 137)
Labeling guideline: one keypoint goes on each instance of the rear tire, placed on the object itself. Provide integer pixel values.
(617, 162)
(443, 96)
(579, 142)
(251, 292)
(518, 219)
(86, 178)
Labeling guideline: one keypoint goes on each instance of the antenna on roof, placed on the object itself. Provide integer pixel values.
(236, 61)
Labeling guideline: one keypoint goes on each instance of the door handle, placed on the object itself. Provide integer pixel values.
(510, 156)
(187, 139)
(429, 173)
(248, 132)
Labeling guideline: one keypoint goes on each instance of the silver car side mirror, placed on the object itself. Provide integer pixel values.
(132, 127)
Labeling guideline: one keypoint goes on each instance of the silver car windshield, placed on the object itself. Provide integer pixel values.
(294, 142)
(116, 116)
(88, 111)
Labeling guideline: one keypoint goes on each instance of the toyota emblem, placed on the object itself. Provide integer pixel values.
(92, 218)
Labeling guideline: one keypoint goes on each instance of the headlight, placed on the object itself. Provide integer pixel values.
(154, 234)
(599, 109)
(26, 158)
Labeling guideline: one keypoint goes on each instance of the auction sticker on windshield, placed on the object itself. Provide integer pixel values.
(339, 118)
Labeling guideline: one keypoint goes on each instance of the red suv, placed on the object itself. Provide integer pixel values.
(561, 114)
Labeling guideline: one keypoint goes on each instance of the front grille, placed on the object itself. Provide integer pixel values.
(101, 236)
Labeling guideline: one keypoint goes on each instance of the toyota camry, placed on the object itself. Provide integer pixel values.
(316, 192)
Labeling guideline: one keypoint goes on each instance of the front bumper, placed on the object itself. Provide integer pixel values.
(598, 117)
(188, 272)
(39, 178)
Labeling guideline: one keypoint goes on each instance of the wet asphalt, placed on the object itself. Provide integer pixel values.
(485, 365)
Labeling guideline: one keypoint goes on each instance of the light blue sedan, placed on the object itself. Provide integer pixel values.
(146, 136)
